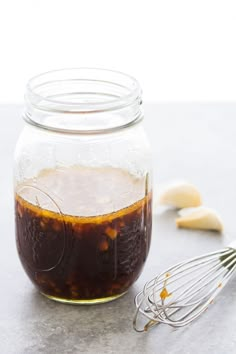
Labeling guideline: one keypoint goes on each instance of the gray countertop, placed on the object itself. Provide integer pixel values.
(192, 141)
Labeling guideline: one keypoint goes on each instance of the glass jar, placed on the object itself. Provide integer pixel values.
(83, 185)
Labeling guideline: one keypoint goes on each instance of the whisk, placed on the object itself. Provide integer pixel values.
(183, 292)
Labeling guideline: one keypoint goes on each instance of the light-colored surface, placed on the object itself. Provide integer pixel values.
(195, 142)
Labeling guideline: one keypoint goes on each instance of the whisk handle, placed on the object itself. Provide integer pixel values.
(233, 244)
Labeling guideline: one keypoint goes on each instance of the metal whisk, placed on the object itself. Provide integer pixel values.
(181, 293)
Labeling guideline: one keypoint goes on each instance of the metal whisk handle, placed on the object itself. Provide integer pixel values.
(232, 244)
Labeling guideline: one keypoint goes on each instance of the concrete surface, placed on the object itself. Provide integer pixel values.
(191, 141)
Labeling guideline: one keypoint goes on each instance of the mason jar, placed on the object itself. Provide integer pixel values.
(83, 190)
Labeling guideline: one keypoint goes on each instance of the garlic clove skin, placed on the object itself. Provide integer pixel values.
(180, 195)
(201, 218)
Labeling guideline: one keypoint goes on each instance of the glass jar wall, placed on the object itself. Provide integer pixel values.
(83, 191)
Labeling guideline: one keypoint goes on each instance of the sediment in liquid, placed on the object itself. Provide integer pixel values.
(83, 233)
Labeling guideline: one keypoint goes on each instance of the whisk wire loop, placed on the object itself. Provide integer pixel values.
(183, 292)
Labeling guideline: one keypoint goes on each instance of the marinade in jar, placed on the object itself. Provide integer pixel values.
(83, 233)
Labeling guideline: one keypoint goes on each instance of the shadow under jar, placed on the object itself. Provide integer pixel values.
(83, 196)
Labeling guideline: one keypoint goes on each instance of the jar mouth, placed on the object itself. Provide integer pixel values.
(82, 90)
(83, 100)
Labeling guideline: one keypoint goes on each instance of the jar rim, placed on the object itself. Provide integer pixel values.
(49, 103)
(79, 95)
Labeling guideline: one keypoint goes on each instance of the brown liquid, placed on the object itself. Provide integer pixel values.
(90, 244)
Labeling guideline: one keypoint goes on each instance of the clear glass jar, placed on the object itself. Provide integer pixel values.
(83, 185)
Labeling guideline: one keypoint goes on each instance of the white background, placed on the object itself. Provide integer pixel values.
(179, 50)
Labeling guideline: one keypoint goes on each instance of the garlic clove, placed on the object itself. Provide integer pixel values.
(180, 195)
(201, 218)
